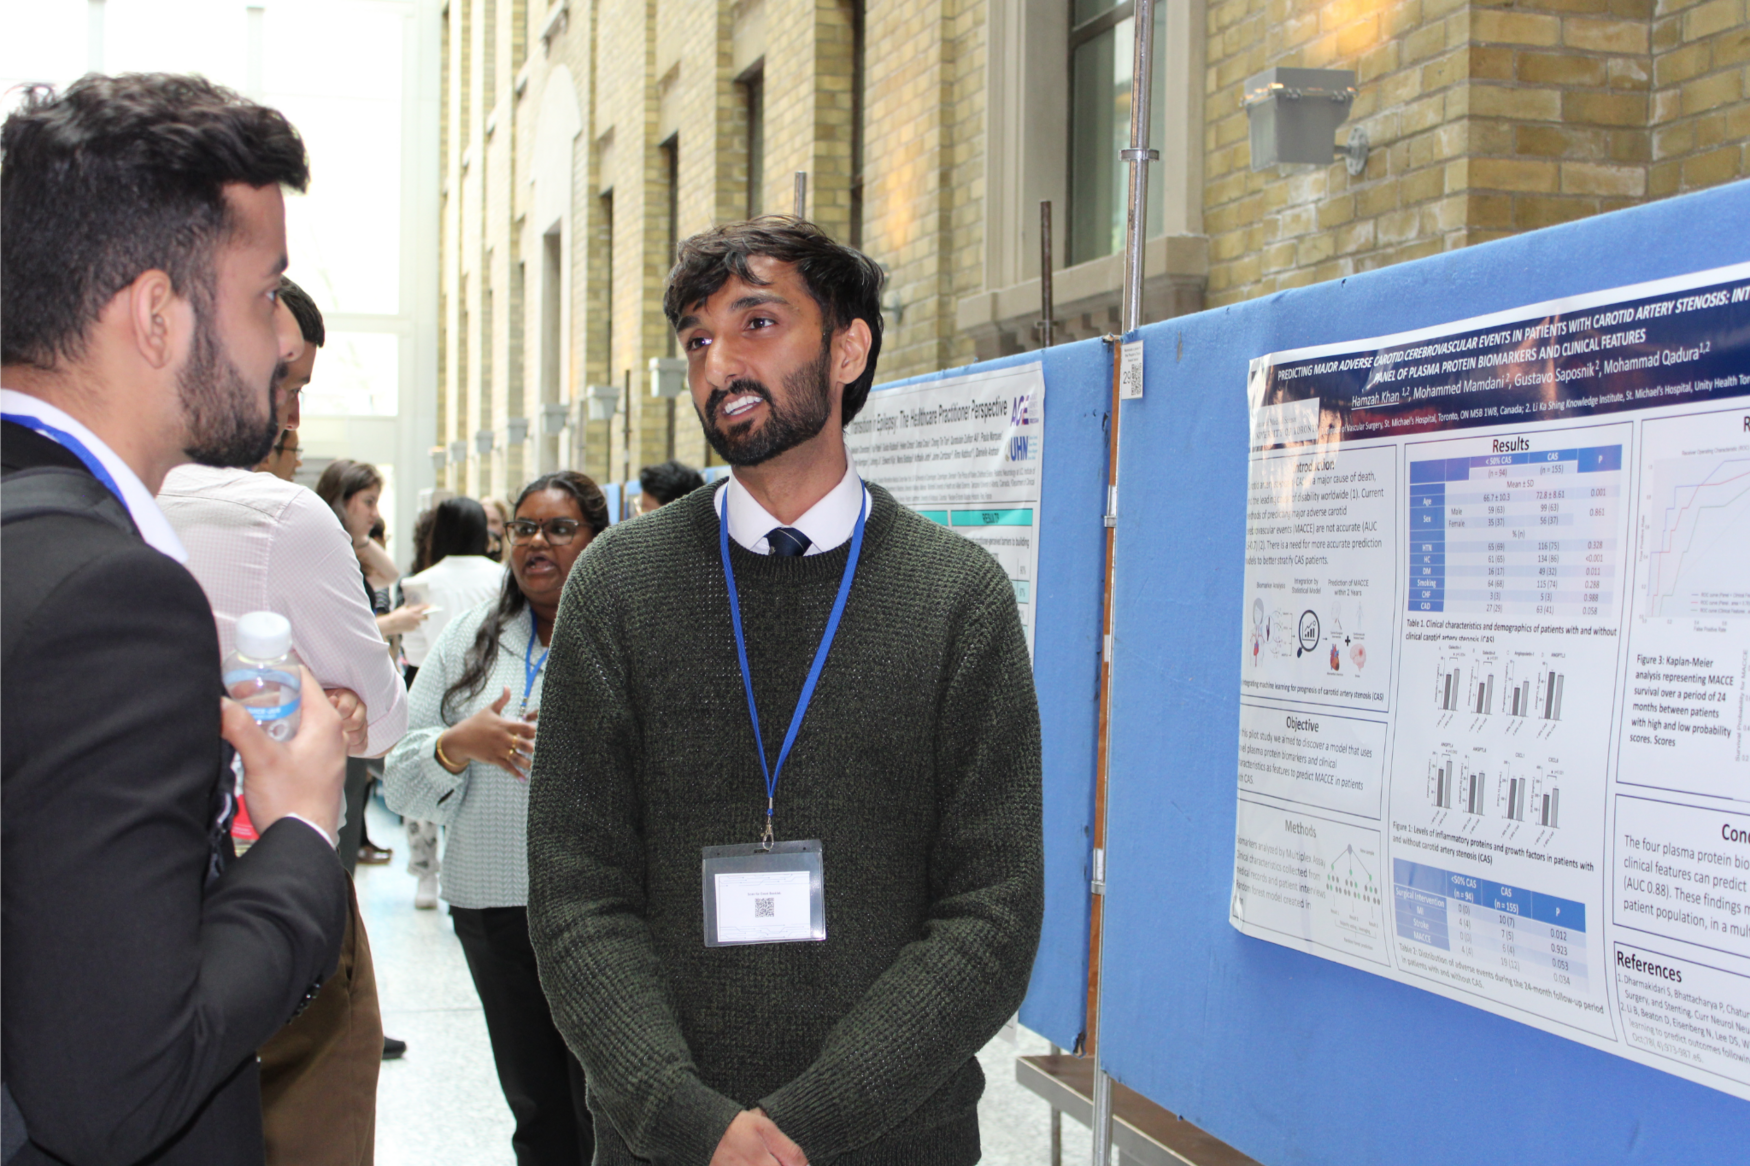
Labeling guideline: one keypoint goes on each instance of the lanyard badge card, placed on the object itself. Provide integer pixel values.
(755, 895)
(770, 891)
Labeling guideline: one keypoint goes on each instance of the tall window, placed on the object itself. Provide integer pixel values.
(753, 86)
(858, 57)
(1101, 55)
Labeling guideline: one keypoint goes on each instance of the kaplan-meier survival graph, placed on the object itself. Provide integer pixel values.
(1697, 535)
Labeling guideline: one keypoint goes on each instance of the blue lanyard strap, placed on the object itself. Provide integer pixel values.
(814, 671)
(531, 666)
(72, 445)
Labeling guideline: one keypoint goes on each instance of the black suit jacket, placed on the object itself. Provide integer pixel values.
(142, 963)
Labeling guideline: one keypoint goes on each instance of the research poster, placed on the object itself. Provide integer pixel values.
(965, 452)
(1494, 653)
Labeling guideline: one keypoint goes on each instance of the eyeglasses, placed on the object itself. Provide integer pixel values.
(559, 531)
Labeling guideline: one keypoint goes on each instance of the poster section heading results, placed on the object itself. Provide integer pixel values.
(966, 452)
(1495, 695)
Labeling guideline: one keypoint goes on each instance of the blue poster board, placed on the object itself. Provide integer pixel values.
(1288, 1057)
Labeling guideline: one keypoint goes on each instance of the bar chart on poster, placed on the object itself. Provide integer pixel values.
(1540, 750)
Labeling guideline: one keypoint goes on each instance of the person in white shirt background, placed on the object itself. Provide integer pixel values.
(256, 542)
(459, 577)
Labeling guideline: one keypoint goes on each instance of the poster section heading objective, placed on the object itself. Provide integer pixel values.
(1495, 646)
(966, 452)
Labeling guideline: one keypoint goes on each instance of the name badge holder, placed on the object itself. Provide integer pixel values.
(770, 891)
(755, 895)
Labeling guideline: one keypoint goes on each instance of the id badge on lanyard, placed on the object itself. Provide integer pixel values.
(770, 891)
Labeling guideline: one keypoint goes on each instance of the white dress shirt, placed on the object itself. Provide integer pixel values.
(828, 523)
(154, 528)
(452, 585)
(257, 543)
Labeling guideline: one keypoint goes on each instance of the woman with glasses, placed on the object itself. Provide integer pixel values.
(464, 763)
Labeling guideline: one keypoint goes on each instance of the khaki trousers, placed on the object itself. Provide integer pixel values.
(319, 1073)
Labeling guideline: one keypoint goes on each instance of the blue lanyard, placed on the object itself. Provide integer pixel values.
(832, 627)
(531, 666)
(72, 445)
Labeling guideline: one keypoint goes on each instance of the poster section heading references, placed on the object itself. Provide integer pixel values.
(966, 452)
(1495, 644)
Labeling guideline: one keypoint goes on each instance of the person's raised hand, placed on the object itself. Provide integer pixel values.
(354, 719)
(303, 776)
(403, 619)
(493, 738)
(753, 1139)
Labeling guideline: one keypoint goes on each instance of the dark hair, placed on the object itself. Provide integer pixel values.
(421, 541)
(114, 177)
(666, 481)
(458, 527)
(483, 653)
(341, 479)
(305, 311)
(844, 282)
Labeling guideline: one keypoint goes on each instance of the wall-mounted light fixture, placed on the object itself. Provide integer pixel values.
(555, 415)
(483, 439)
(603, 401)
(458, 452)
(516, 430)
(440, 458)
(668, 376)
(1294, 113)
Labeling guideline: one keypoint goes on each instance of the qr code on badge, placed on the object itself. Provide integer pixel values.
(765, 909)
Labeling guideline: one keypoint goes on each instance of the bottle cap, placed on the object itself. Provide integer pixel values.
(263, 635)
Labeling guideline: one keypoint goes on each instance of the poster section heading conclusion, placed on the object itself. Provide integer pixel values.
(1495, 645)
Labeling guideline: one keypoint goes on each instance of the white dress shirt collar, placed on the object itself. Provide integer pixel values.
(828, 523)
(142, 507)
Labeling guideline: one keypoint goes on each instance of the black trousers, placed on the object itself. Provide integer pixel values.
(541, 1079)
(358, 788)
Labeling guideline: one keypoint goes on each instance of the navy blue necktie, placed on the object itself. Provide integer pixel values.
(787, 542)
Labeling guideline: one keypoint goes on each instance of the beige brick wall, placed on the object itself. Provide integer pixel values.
(1701, 95)
(648, 69)
(1486, 119)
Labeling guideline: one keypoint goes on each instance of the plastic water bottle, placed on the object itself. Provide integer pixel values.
(261, 674)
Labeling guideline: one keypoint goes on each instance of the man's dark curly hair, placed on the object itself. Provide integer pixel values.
(844, 282)
(114, 177)
(304, 311)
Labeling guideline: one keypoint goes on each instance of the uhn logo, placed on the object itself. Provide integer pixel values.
(1021, 449)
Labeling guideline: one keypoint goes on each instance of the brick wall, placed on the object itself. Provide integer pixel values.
(1486, 119)
(1701, 95)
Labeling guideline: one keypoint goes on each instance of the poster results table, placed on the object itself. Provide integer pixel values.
(1515, 533)
(1495, 698)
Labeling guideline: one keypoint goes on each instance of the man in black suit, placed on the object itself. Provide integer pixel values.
(143, 962)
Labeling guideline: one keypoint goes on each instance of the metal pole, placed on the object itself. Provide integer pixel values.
(802, 194)
(1139, 155)
(1045, 306)
(1056, 1113)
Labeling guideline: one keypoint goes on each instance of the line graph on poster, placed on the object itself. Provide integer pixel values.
(1698, 556)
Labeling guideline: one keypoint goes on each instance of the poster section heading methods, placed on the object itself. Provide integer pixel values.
(967, 452)
(1495, 647)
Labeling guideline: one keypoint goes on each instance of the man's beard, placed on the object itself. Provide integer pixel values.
(216, 400)
(786, 427)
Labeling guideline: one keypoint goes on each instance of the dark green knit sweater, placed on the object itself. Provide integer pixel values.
(917, 768)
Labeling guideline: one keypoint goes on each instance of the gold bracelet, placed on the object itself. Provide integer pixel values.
(442, 760)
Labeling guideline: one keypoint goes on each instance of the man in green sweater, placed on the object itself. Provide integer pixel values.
(785, 868)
